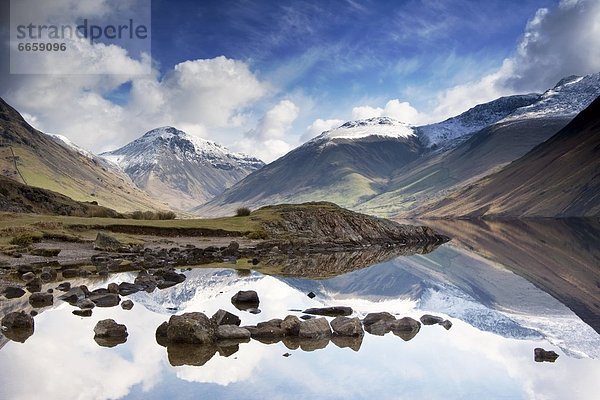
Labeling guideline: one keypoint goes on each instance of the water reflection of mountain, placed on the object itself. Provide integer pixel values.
(561, 257)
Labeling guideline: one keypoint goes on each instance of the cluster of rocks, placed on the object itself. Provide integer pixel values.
(193, 338)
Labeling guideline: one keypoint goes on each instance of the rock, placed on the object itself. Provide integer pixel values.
(431, 319)
(541, 355)
(373, 318)
(446, 324)
(108, 243)
(105, 299)
(344, 326)
(314, 328)
(313, 344)
(72, 296)
(149, 282)
(17, 326)
(255, 261)
(329, 311)
(23, 269)
(245, 297)
(48, 274)
(170, 276)
(253, 310)
(222, 317)
(113, 288)
(70, 273)
(33, 313)
(232, 249)
(39, 300)
(126, 289)
(45, 252)
(64, 287)
(291, 325)
(305, 317)
(109, 328)
(311, 295)
(13, 292)
(268, 331)
(192, 328)
(28, 276)
(127, 305)
(379, 328)
(286, 354)
(83, 313)
(34, 285)
(232, 332)
(406, 328)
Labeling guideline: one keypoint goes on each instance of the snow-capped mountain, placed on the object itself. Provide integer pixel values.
(475, 119)
(342, 165)
(568, 98)
(181, 169)
(378, 126)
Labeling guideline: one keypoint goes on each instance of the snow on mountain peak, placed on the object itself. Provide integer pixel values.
(568, 98)
(377, 126)
(147, 149)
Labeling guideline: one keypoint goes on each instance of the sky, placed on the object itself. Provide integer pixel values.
(261, 77)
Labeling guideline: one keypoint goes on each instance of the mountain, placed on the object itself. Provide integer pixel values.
(20, 198)
(384, 167)
(181, 169)
(558, 178)
(39, 160)
(452, 130)
(344, 165)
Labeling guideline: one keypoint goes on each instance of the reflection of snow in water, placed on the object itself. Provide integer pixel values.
(465, 361)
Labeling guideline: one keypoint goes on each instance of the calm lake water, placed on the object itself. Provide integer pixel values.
(507, 288)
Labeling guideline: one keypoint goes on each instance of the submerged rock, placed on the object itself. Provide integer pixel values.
(17, 326)
(187, 354)
(541, 355)
(431, 319)
(351, 342)
(87, 312)
(330, 311)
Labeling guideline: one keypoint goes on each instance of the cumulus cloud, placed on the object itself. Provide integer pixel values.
(268, 140)
(400, 110)
(319, 126)
(197, 96)
(556, 43)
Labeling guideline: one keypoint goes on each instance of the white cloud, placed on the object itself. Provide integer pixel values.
(556, 43)
(400, 110)
(319, 126)
(268, 140)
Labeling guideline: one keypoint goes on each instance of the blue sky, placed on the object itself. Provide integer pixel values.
(263, 76)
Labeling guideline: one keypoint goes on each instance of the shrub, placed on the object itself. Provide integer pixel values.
(257, 235)
(165, 215)
(242, 212)
(23, 240)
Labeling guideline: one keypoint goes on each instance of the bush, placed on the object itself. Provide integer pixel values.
(23, 240)
(162, 215)
(149, 215)
(242, 212)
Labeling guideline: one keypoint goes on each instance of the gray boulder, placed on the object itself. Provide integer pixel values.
(314, 328)
(192, 328)
(431, 319)
(541, 355)
(106, 242)
(249, 297)
(105, 299)
(13, 292)
(38, 299)
(406, 328)
(127, 305)
(232, 332)
(344, 326)
(291, 325)
(222, 317)
(108, 328)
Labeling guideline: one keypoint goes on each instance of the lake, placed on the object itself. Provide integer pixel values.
(507, 288)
